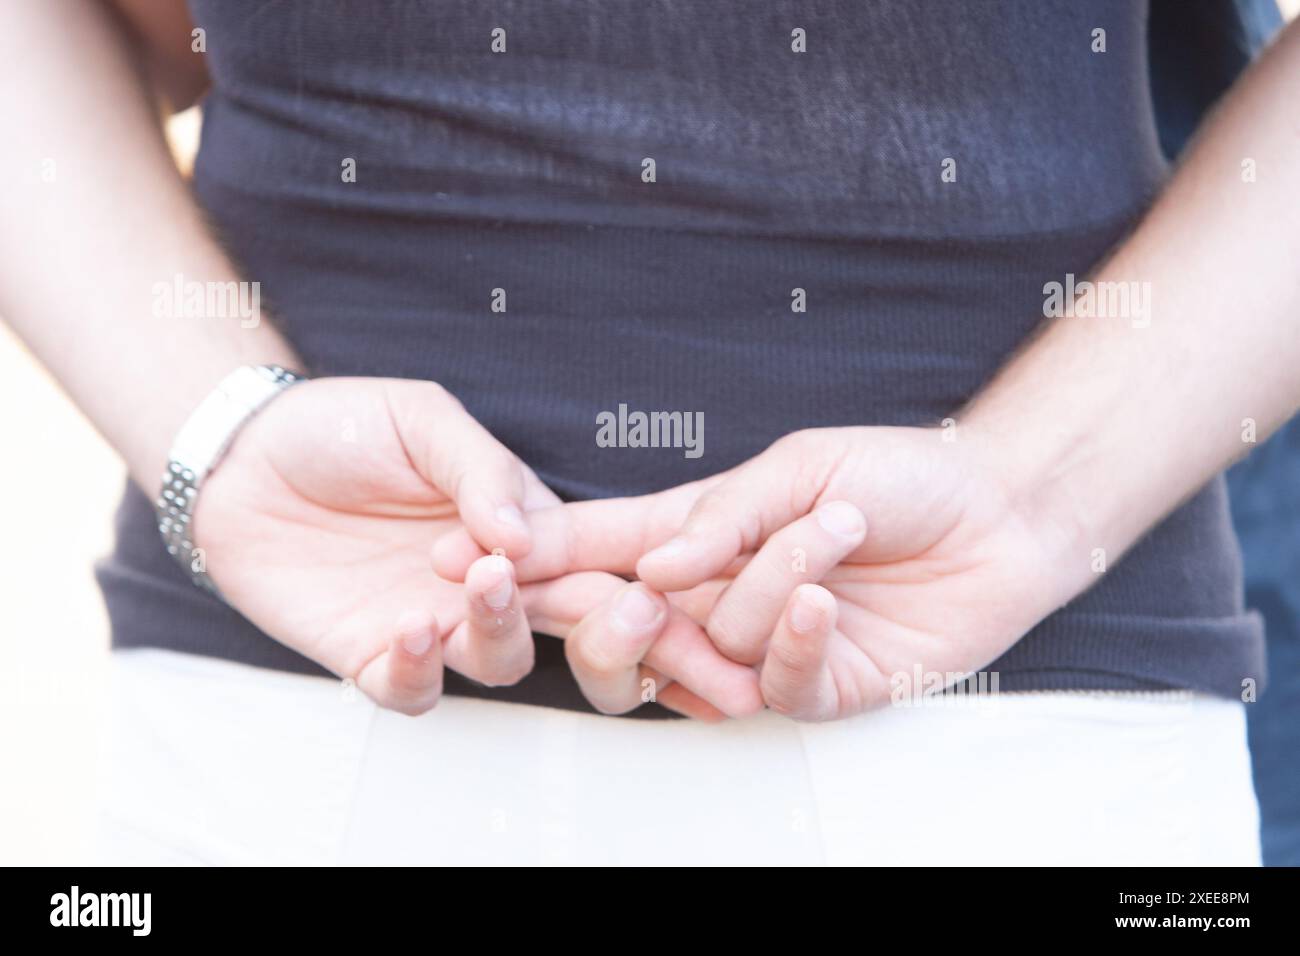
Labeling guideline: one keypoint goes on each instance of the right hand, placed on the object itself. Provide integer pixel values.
(317, 527)
(960, 560)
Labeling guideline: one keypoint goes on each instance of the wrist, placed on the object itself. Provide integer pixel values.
(1048, 480)
(198, 448)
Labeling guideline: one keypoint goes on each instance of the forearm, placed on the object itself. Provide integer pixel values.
(96, 217)
(1105, 424)
(163, 33)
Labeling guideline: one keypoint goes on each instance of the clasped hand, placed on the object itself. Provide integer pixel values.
(806, 579)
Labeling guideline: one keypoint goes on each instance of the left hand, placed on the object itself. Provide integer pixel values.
(317, 528)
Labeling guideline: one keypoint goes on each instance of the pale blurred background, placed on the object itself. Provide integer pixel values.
(60, 485)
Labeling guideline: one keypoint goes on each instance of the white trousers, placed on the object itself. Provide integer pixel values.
(212, 762)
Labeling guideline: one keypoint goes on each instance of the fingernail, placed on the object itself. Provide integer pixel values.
(418, 643)
(512, 516)
(805, 615)
(634, 611)
(669, 550)
(498, 596)
(841, 519)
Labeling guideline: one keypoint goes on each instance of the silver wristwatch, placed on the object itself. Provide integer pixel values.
(199, 446)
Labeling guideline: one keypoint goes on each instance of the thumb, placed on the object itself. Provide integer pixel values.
(731, 519)
(607, 534)
(458, 456)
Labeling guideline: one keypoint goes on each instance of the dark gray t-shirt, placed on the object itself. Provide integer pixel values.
(919, 168)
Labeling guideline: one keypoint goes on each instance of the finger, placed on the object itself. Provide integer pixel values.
(494, 644)
(407, 677)
(733, 517)
(682, 653)
(677, 698)
(458, 456)
(608, 534)
(605, 649)
(796, 680)
(747, 613)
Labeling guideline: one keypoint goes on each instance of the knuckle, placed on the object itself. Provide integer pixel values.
(731, 637)
(402, 683)
(587, 655)
(437, 392)
(412, 681)
(491, 624)
(795, 666)
(785, 444)
(792, 444)
(716, 515)
(787, 557)
(710, 507)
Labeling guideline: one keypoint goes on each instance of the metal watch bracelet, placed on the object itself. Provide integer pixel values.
(200, 445)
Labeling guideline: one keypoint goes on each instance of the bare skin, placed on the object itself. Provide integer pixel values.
(1093, 433)
(321, 541)
(939, 553)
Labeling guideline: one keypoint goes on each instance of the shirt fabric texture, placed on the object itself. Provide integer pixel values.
(774, 171)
